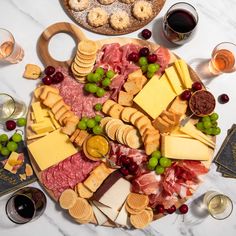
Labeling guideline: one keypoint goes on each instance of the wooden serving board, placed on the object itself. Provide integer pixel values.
(77, 34)
(81, 17)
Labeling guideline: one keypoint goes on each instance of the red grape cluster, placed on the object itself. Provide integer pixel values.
(128, 166)
(160, 209)
(51, 77)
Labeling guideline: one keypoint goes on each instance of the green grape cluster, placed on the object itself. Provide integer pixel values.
(148, 68)
(158, 162)
(209, 124)
(99, 81)
(92, 124)
(9, 145)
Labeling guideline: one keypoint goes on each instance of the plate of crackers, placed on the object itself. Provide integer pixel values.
(113, 17)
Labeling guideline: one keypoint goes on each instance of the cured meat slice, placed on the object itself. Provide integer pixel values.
(67, 173)
(163, 57)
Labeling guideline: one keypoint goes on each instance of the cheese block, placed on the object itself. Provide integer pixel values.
(11, 162)
(29, 137)
(192, 131)
(184, 148)
(155, 96)
(115, 196)
(51, 149)
(37, 111)
(123, 218)
(176, 132)
(186, 76)
(53, 120)
(109, 212)
(42, 127)
(174, 80)
(100, 217)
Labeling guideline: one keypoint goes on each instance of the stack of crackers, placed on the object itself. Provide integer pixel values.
(137, 206)
(84, 60)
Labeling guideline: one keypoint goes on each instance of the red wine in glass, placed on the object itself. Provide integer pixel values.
(180, 23)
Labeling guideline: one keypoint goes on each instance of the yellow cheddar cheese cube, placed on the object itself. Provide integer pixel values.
(42, 127)
(51, 149)
(11, 162)
(38, 112)
(155, 96)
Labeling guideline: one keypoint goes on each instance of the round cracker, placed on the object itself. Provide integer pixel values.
(107, 106)
(133, 139)
(75, 72)
(133, 211)
(83, 191)
(140, 220)
(137, 201)
(120, 132)
(113, 127)
(142, 121)
(126, 113)
(104, 121)
(79, 57)
(87, 47)
(86, 57)
(135, 116)
(150, 212)
(68, 199)
(83, 63)
(80, 209)
(82, 70)
(126, 131)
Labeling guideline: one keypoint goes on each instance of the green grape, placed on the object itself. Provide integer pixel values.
(152, 68)
(106, 82)
(91, 123)
(12, 146)
(82, 125)
(143, 61)
(86, 87)
(149, 75)
(93, 88)
(97, 129)
(16, 137)
(216, 131)
(100, 92)
(5, 151)
(156, 154)
(206, 118)
(97, 118)
(85, 119)
(21, 122)
(160, 169)
(214, 123)
(165, 162)
(0, 146)
(208, 131)
(96, 77)
(152, 162)
(200, 126)
(90, 77)
(214, 116)
(110, 74)
(98, 107)
(207, 124)
(100, 71)
(157, 66)
(144, 68)
(3, 138)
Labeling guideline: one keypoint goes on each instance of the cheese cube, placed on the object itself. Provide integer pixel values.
(51, 149)
(184, 148)
(155, 96)
(42, 127)
(10, 162)
(38, 112)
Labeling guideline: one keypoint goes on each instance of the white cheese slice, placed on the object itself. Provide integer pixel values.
(101, 218)
(115, 196)
(123, 218)
(109, 212)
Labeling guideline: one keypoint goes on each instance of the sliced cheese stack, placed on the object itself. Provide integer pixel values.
(184, 148)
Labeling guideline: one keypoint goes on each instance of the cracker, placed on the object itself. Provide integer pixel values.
(81, 70)
(51, 99)
(107, 106)
(87, 47)
(83, 191)
(74, 135)
(81, 209)
(137, 201)
(143, 120)
(133, 139)
(115, 111)
(120, 132)
(104, 121)
(132, 211)
(68, 199)
(140, 220)
(86, 57)
(112, 128)
(32, 71)
(84, 63)
(135, 116)
(126, 113)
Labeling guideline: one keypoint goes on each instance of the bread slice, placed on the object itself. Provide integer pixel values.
(161, 125)
(127, 113)
(142, 121)
(145, 127)
(125, 99)
(150, 147)
(83, 134)
(134, 75)
(178, 106)
(74, 135)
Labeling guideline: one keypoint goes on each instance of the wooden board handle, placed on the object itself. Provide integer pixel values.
(44, 39)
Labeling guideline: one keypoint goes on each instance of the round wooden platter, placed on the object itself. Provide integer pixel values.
(81, 17)
(47, 59)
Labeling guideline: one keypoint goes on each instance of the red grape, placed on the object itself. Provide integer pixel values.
(146, 33)
(144, 52)
(57, 78)
(133, 56)
(10, 124)
(49, 70)
(183, 209)
(171, 210)
(126, 161)
(133, 168)
(124, 171)
(152, 58)
(185, 95)
(160, 209)
(223, 98)
(197, 86)
(47, 80)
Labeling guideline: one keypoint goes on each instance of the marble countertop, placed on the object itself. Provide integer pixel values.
(26, 19)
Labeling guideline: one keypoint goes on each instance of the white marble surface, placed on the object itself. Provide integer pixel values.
(26, 19)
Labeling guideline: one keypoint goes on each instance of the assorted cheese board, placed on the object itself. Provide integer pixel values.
(104, 133)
